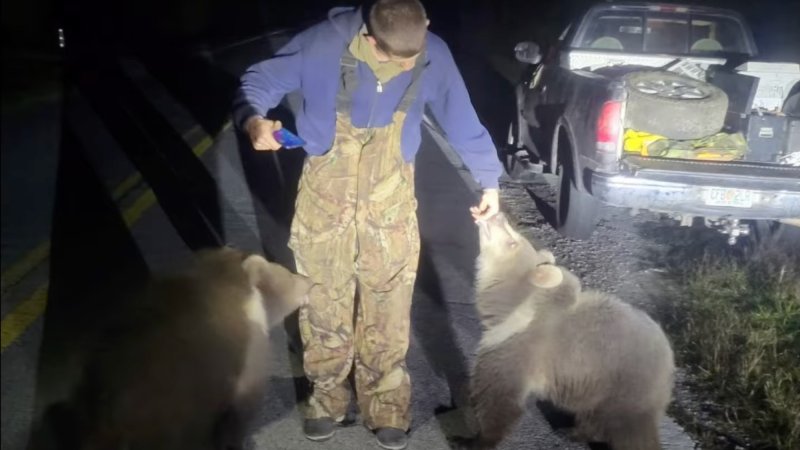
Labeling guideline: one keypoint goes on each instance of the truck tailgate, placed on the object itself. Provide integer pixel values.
(733, 174)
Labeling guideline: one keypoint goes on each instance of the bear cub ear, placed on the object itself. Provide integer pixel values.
(546, 276)
(546, 257)
(255, 266)
(280, 280)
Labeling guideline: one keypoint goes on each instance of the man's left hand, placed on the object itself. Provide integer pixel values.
(489, 206)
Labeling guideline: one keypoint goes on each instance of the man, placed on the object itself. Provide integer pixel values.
(365, 80)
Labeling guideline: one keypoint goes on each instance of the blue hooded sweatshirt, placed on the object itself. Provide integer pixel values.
(309, 62)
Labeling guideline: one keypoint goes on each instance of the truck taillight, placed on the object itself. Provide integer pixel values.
(609, 127)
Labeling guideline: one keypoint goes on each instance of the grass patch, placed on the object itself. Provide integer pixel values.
(737, 330)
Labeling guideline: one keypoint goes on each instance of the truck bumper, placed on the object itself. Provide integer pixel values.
(741, 194)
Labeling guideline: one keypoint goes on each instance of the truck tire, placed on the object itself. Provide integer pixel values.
(775, 232)
(576, 211)
(791, 106)
(673, 105)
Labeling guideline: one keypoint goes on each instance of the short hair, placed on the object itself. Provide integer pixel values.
(398, 26)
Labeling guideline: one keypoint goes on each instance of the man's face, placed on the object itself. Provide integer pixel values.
(407, 63)
(383, 57)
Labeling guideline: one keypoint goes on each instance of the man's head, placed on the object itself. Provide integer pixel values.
(397, 30)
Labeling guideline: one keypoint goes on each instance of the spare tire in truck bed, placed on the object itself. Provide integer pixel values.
(673, 105)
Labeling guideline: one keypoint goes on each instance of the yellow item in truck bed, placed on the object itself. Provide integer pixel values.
(717, 147)
(638, 141)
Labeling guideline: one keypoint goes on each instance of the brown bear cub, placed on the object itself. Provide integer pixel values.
(584, 351)
(186, 366)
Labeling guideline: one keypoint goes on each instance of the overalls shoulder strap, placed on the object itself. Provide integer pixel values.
(348, 80)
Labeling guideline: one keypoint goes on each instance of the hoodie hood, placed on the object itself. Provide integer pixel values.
(346, 20)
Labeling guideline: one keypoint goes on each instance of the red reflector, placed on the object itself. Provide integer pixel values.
(608, 125)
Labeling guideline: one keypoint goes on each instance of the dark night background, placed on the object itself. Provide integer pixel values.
(476, 30)
(29, 25)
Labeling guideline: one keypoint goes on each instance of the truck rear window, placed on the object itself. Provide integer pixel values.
(634, 32)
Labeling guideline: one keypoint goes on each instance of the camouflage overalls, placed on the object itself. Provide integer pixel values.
(355, 232)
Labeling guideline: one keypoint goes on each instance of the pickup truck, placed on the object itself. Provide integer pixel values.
(679, 72)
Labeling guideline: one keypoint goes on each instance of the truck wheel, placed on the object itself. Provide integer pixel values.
(673, 106)
(576, 211)
(506, 152)
(766, 232)
(791, 106)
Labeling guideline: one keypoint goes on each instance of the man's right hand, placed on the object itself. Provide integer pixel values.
(260, 131)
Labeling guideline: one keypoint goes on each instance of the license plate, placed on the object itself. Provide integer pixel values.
(736, 198)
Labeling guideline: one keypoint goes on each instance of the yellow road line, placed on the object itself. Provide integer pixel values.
(41, 252)
(18, 320)
(126, 185)
(25, 265)
(143, 202)
(202, 146)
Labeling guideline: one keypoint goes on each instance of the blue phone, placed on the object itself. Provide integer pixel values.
(288, 139)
